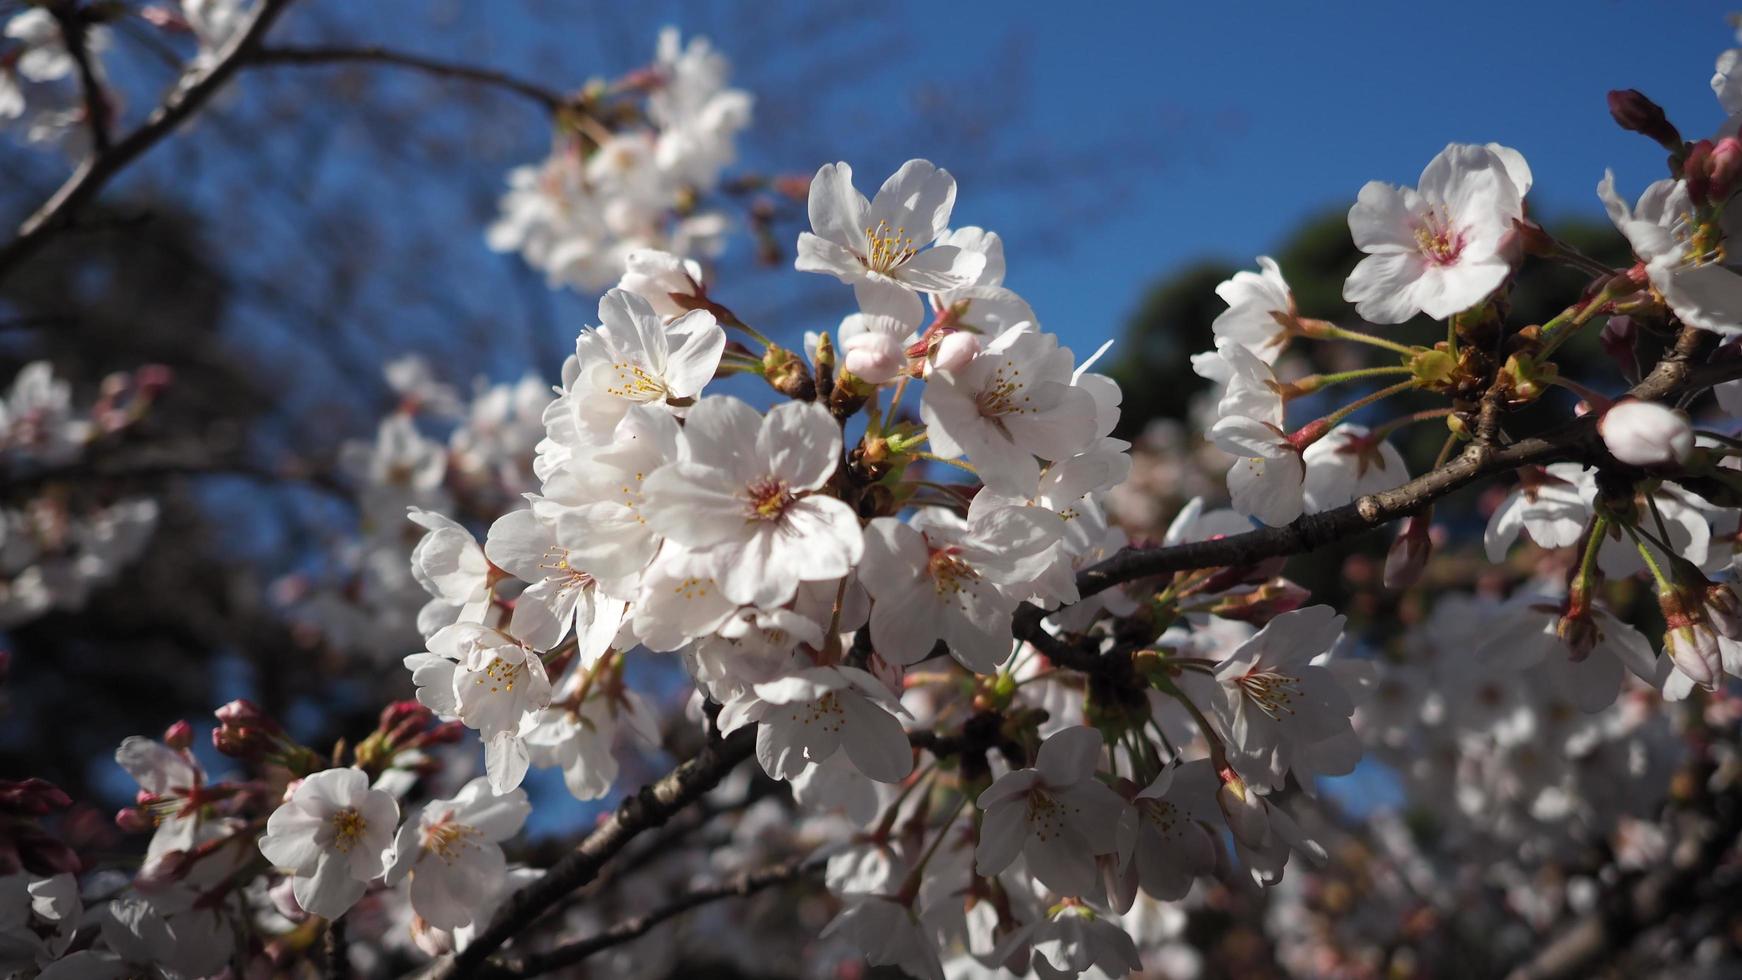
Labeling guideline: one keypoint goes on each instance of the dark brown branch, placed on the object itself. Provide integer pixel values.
(550, 99)
(195, 89)
(75, 34)
(647, 809)
(739, 886)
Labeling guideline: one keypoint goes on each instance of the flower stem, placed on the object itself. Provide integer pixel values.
(1366, 400)
(1323, 330)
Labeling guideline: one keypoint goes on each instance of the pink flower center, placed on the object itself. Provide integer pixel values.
(769, 499)
(1437, 240)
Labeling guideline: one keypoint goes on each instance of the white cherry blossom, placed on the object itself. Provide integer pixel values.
(330, 836)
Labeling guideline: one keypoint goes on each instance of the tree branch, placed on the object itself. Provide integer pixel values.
(550, 99)
(741, 885)
(651, 807)
(195, 89)
(75, 34)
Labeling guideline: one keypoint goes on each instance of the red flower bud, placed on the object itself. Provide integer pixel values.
(245, 712)
(32, 797)
(1638, 114)
(179, 735)
(134, 820)
(400, 712)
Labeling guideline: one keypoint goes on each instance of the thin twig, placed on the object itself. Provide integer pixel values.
(194, 90)
(550, 99)
(739, 886)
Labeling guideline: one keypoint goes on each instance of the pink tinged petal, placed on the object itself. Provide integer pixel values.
(837, 209)
(1069, 755)
(1008, 786)
(289, 841)
(1444, 291)
(875, 742)
(905, 624)
(156, 767)
(1003, 831)
(893, 559)
(801, 443)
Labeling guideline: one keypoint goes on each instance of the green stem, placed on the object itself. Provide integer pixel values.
(959, 464)
(1365, 400)
(1388, 428)
(1313, 383)
(1330, 331)
(1663, 582)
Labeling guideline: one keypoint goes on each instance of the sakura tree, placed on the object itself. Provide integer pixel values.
(930, 659)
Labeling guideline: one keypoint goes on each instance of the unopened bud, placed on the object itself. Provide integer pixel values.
(400, 712)
(955, 350)
(874, 356)
(179, 735)
(1638, 114)
(1619, 336)
(446, 733)
(133, 820)
(1724, 168)
(1694, 649)
(1409, 553)
(1641, 433)
(1579, 632)
(786, 373)
(1264, 603)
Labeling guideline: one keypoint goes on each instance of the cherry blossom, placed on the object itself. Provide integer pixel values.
(330, 835)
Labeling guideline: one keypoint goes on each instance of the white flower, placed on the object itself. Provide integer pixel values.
(886, 933)
(1075, 940)
(1057, 815)
(698, 116)
(1684, 258)
(560, 597)
(451, 567)
(941, 578)
(1271, 702)
(1264, 834)
(1267, 478)
(635, 358)
(329, 836)
(1524, 634)
(215, 22)
(1646, 434)
(984, 307)
(37, 919)
(452, 852)
(491, 682)
(747, 499)
(1548, 504)
(173, 779)
(1346, 463)
(808, 715)
(581, 739)
(1014, 401)
(1260, 309)
(879, 247)
(1441, 247)
(1170, 843)
(658, 277)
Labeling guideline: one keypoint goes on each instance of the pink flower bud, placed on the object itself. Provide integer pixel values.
(1638, 114)
(133, 820)
(1724, 168)
(1641, 433)
(955, 350)
(874, 356)
(245, 712)
(1618, 338)
(32, 797)
(179, 735)
(400, 712)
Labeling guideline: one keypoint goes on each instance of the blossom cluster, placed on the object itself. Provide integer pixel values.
(630, 168)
